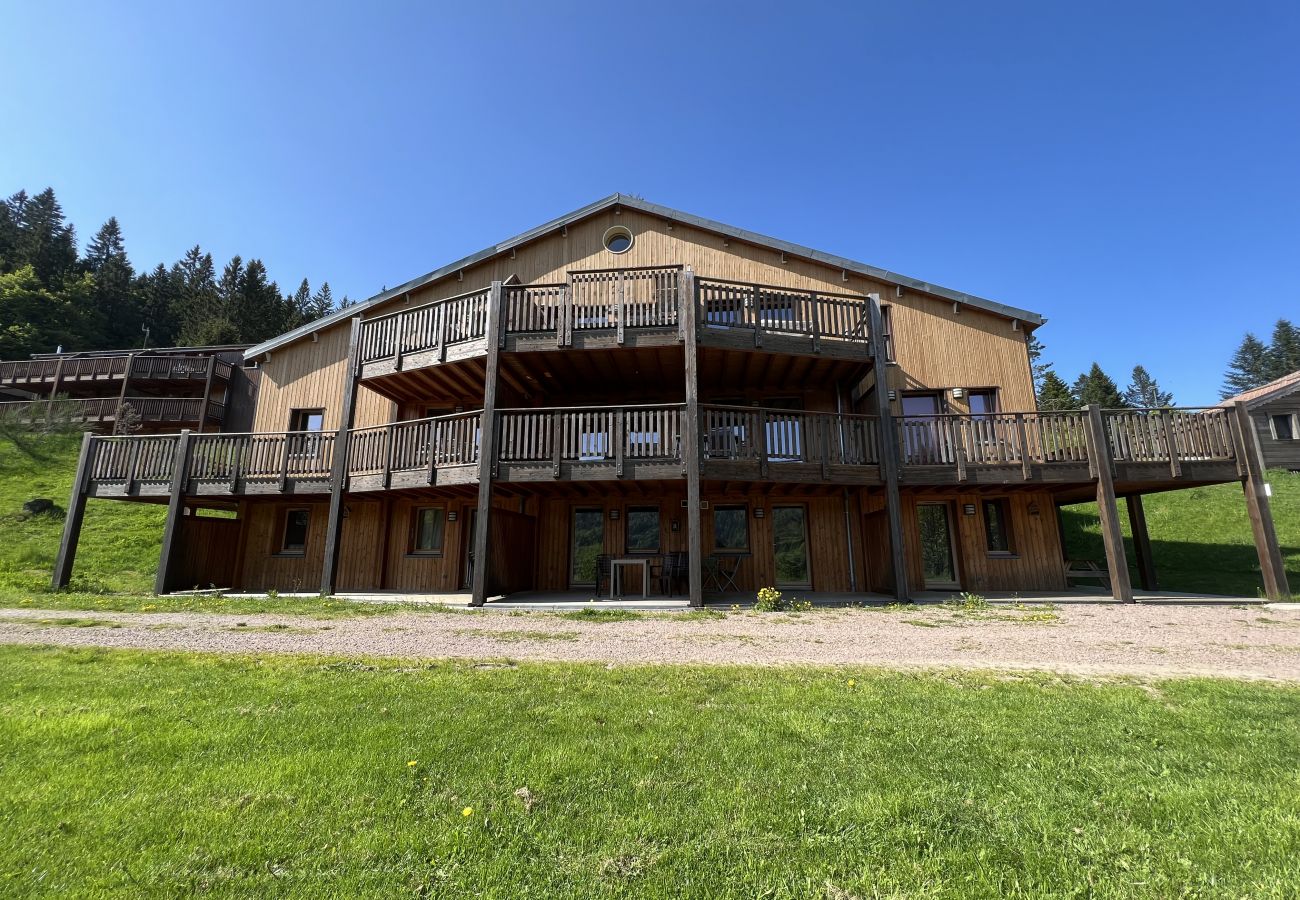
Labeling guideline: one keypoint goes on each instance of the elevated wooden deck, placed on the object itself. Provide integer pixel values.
(70, 372)
(607, 309)
(177, 411)
(1146, 450)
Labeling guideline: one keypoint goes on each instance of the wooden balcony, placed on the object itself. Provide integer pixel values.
(607, 309)
(88, 370)
(1046, 447)
(1147, 450)
(590, 443)
(761, 444)
(104, 410)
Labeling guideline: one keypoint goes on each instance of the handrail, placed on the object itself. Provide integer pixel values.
(429, 326)
(416, 444)
(775, 435)
(593, 434)
(422, 306)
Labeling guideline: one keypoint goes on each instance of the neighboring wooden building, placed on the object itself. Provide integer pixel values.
(633, 382)
(1275, 411)
(202, 388)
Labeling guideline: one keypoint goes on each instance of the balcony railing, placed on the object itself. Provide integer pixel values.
(617, 435)
(767, 435)
(815, 315)
(613, 301)
(431, 326)
(421, 446)
(150, 410)
(648, 441)
(108, 368)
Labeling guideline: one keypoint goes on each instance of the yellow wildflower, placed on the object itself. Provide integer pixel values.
(467, 811)
(412, 764)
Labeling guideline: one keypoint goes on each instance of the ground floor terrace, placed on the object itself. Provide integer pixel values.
(949, 504)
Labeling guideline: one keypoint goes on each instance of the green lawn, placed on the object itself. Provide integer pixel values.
(135, 774)
(119, 541)
(1200, 538)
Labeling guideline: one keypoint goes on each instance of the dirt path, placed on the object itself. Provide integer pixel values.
(1087, 640)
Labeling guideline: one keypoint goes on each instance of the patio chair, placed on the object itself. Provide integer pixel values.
(672, 568)
(602, 571)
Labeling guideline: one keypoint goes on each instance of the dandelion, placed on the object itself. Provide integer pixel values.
(467, 811)
(413, 763)
(852, 682)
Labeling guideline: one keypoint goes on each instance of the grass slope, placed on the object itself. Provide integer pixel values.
(146, 774)
(119, 541)
(1200, 538)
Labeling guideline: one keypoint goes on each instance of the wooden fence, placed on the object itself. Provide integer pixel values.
(590, 434)
(782, 435)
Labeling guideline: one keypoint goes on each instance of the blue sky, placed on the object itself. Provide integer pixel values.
(1130, 170)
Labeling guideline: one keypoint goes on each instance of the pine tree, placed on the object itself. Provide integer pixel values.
(1055, 394)
(1038, 368)
(1099, 388)
(1249, 367)
(159, 295)
(45, 241)
(1284, 351)
(302, 302)
(1144, 393)
(114, 297)
(322, 302)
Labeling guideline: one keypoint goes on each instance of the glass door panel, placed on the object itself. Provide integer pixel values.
(937, 559)
(588, 543)
(790, 547)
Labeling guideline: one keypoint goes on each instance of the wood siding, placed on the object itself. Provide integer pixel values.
(935, 346)
(1278, 454)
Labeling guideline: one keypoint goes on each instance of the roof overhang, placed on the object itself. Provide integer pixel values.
(1031, 319)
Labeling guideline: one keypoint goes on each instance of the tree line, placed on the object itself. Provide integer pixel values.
(52, 296)
(1254, 364)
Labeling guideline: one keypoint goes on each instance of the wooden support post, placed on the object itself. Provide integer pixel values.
(1107, 510)
(54, 391)
(175, 511)
(1166, 426)
(126, 381)
(1271, 564)
(816, 323)
(888, 452)
(207, 392)
(72, 520)
(339, 466)
(619, 439)
(487, 449)
(760, 440)
(1146, 564)
(1022, 435)
(691, 440)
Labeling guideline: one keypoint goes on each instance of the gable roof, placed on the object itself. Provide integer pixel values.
(1287, 384)
(663, 212)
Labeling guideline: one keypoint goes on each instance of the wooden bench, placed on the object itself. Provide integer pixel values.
(1087, 569)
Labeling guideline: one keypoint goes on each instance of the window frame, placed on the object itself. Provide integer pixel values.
(1293, 423)
(283, 531)
(744, 513)
(413, 532)
(627, 530)
(1003, 506)
(994, 405)
(306, 412)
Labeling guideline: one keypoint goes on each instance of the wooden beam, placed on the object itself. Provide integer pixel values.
(1146, 564)
(72, 520)
(207, 393)
(1271, 565)
(339, 467)
(175, 511)
(688, 311)
(487, 445)
(1107, 510)
(888, 453)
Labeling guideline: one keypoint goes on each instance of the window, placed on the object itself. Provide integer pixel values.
(997, 526)
(983, 403)
(642, 529)
(1284, 427)
(427, 527)
(618, 239)
(293, 536)
(306, 419)
(730, 528)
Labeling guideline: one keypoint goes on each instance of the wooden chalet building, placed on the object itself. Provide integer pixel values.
(167, 389)
(629, 383)
(1274, 410)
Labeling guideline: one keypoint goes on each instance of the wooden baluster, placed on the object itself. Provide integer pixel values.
(618, 441)
(816, 323)
(1175, 468)
(1022, 435)
(622, 305)
(284, 463)
(760, 440)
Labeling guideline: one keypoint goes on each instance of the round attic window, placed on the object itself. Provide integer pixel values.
(618, 239)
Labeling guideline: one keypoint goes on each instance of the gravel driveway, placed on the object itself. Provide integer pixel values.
(1235, 642)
